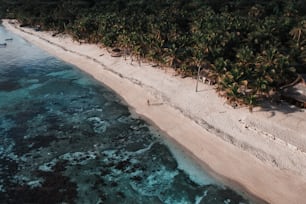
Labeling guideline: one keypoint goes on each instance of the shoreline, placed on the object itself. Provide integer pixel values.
(252, 152)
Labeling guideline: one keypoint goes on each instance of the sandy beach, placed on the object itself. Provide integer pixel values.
(262, 153)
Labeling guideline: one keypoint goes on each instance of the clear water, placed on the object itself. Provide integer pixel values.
(65, 138)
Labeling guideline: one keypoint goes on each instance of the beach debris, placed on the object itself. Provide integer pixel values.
(116, 55)
(116, 52)
(205, 75)
(150, 103)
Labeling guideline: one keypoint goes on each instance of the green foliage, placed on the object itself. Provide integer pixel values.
(251, 47)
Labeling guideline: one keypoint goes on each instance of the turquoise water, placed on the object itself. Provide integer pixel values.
(65, 138)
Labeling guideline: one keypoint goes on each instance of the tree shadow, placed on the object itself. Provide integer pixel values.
(290, 100)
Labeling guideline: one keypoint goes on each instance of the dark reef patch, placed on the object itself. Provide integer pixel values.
(9, 85)
(55, 188)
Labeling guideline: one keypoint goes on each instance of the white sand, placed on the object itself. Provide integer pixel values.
(261, 152)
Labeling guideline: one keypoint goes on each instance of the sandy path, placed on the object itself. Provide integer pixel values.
(261, 152)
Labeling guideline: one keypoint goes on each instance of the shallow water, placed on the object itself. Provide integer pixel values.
(65, 138)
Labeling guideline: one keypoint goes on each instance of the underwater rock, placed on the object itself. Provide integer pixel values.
(78, 157)
(98, 124)
(35, 184)
(53, 188)
(49, 166)
(9, 86)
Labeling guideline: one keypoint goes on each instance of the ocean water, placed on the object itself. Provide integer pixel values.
(65, 138)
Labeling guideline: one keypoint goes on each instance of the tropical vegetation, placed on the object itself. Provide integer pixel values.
(250, 48)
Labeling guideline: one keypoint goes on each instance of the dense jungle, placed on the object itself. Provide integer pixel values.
(249, 49)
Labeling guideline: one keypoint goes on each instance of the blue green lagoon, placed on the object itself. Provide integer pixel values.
(66, 138)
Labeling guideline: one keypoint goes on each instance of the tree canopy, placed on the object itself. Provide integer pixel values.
(252, 47)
